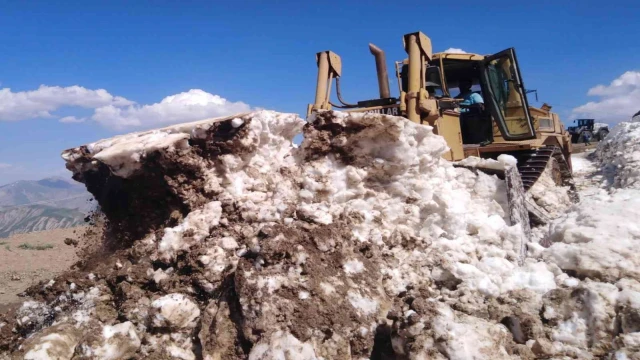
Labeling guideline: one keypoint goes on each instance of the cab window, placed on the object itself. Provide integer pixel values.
(506, 96)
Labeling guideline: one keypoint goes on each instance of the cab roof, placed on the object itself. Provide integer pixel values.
(456, 56)
(451, 56)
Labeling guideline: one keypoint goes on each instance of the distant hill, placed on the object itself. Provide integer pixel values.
(24, 219)
(46, 204)
(55, 192)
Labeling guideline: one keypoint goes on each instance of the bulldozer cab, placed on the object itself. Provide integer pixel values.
(498, 82)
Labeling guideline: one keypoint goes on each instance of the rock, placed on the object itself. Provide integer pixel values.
(542, 347)
(70, 241)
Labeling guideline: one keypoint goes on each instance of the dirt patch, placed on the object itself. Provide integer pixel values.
(580, 148)
(22, 264)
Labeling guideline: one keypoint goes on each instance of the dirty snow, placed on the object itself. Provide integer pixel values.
(119, 341)
(198, 223)
(619, 156)
(597, 240)
(413, 243)
(176, 311)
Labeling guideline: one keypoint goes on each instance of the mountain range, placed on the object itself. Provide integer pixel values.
(46, 204)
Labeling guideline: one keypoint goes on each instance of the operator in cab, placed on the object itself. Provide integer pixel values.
(469, 100)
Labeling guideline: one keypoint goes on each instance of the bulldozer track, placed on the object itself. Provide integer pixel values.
(532, 164)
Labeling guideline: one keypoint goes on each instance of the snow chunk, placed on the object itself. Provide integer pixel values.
(282, 346)
(507, 160)
(327, 288)
(534, 276)
(175, 310)
(592, 240)
(197, 224)
(228, 243)
(119, 341)
(33, 314)
(353, 266)
(237, 122)
(53, 346)
(365, 305)
(465, 337)
(476, 162)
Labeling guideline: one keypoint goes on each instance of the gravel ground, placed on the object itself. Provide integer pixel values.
(44, 256)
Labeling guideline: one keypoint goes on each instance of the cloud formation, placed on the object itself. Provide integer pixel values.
(455, 51)
(39, 103)
(114, 112)
(617, 101)
(4, 166)
(191, 105)
(71, 119)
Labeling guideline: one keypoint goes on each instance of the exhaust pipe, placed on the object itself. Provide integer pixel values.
(381, 69)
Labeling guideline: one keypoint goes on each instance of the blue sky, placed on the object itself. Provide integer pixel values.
(262, 54)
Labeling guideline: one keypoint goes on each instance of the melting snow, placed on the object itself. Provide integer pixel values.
(444, 254)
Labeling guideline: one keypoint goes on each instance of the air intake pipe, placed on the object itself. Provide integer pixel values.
(381, 69)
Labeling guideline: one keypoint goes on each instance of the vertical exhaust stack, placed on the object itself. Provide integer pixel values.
(381, 69)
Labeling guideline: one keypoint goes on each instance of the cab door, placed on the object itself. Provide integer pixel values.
(507, 99)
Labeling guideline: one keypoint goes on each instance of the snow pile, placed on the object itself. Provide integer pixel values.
(619, 155)
(597, 126)
(597, 241)
(592, 240)
(363, 242)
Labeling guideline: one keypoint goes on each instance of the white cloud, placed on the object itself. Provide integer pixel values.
(114, 112)
(23, 105)
(71, 119)
(4, 166)
(618, 101)
(455, 51)
(192, 105)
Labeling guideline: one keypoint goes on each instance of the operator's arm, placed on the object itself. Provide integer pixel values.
(476, 101)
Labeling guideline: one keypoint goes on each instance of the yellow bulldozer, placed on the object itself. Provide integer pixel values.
(503, 124)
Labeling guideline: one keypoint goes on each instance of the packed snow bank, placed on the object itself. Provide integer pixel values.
(619, 155)
(597, 241)
(230, 243)
(597, 237)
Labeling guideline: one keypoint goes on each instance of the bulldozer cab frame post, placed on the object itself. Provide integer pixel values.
(418, 46)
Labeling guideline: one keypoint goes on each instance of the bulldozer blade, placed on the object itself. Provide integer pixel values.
(519, 207)
(518, 212)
